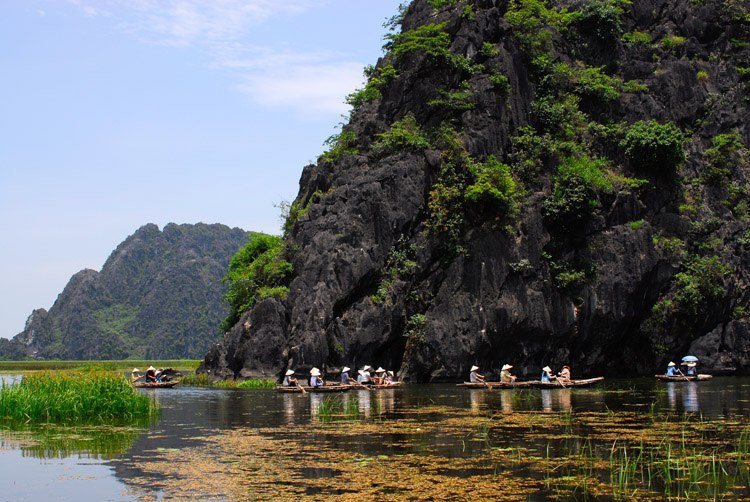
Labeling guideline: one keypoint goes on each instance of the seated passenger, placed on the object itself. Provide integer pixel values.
(288, 380)
(475, 377)
(505, 375)
(388, 377)
(379, 376)
(691, 370)
(345, 378)
(315, 380)
(151, 374)
(564, 374)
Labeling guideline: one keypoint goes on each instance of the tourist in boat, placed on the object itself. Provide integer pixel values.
(379, 376)
(151, 375)
(135, 375)
(364, 375)
(564, 374)
(159, 375)
(672, 369)
(388, 378)
(315, 380)
(289, 381)
(546, 374)
(345, 378)
(505, 375)
(474, 376)
(691, 370)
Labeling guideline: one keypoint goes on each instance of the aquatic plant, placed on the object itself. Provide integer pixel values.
(73, 397)
(202, 380)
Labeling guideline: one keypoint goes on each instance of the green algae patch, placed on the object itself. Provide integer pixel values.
(445, 453)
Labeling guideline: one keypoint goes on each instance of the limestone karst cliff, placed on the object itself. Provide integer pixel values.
(158, 296)
(533, 182)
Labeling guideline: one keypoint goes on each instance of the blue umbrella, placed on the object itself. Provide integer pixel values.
(689, 359)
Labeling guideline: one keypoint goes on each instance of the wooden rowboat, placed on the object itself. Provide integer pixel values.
(686, 378)
(155, 385)
(554, 384)
(385, 386)
(324, 388)
(494, 385)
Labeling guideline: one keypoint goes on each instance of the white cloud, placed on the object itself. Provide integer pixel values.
(183, 23)
(312, 82)
(305, 89)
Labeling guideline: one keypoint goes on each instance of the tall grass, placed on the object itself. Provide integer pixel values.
(337, 407)
(202, 380)
(125, 364)
(73, 397)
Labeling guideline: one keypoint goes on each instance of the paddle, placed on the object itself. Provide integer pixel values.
(683, 375)
(362, 386)
(559, 382)
(301, 388)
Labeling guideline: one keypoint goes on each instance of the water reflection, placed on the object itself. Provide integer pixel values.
(191, 417)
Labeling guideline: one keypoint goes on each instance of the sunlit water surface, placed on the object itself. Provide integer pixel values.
(418, 441)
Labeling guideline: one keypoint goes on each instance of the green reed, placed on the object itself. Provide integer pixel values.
(73, 397)
(337, 407)
(116, 365)
(202, 380)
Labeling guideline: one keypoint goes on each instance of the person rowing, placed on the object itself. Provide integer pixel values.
(474, 376)
(546, 375)
(135, 375)
(151, 375)
(289, 381)
(672, 370)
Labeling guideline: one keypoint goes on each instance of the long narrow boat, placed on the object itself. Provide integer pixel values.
(533, 384)
(687, 378)
(494, 385)
(385, 386)
(324, 388)
(556, 384)
(155, 385)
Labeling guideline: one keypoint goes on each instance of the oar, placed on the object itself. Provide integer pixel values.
(361, 385)
(683, 375)
(489, 387)
(301, 388)
(560, 382)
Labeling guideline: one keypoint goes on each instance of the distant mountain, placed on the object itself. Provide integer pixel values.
(158, 296)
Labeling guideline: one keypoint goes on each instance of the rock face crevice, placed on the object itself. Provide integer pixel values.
(605, 291)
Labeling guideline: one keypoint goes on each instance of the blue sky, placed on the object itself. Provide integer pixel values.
(117, 113)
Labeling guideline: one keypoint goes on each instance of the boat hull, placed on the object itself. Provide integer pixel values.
(687, 378)
(533, 384)
(154, 385)
(324, 388)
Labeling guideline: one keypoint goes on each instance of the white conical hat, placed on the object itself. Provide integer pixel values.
(507, 366)
(151, 368)
(474, 368)
(390, 372)
(346, 368)
(289, 372)
(136, 370)
(367, 367)
(380, 370)
(671, 363)
(315, 372)
(547, 368)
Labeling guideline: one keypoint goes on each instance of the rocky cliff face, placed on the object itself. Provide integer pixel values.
(158, 296)
(526, 182)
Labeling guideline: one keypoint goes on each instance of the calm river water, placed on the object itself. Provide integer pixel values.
(418, 442)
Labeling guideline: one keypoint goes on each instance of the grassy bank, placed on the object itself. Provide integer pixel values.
(73, 397)
(122, 365)
(202, 380)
